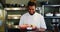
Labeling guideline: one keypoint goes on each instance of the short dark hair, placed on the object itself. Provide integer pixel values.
(31, 4)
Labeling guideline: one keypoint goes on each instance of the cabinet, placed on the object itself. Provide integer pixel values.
(13, 18)
(52, 17)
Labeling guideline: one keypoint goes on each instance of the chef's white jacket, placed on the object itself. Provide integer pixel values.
(36, 19)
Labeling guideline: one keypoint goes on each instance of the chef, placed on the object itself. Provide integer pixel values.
(32, 19)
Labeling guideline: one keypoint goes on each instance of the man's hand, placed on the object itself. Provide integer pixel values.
(23, 26)
(26, 25)
(42, 29)
(33, 27)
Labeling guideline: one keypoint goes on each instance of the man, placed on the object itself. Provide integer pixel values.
(32, 19)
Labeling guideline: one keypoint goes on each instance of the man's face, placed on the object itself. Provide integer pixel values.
(31, 9)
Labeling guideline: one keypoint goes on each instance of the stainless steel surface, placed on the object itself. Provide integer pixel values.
(18, 8)
(52, 5)
(16, 26)
(53, 17)
(14, 16)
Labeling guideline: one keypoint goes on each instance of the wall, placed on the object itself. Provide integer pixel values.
(17, 1)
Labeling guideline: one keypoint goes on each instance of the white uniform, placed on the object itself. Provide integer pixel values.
(36, 19)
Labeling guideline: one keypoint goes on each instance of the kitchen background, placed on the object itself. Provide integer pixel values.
(11, 11)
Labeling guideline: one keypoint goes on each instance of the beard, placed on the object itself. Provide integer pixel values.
(31, 13)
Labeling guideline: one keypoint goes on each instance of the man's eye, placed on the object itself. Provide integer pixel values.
(32, 9)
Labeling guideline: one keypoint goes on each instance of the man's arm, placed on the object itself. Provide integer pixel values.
(21, 21)
(42, 25)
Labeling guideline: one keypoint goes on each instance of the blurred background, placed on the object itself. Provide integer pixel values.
(11, 11)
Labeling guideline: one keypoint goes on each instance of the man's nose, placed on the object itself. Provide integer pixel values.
(31, 10)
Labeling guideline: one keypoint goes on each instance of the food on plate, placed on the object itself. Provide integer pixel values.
(25, 26)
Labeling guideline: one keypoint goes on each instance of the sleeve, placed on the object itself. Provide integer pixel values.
(21, 21)
(42, 23)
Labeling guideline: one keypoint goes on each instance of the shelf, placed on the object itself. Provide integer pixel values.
(18, 8)
(53, 17)
(13, 26)
(53, 5)
(14, 16)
